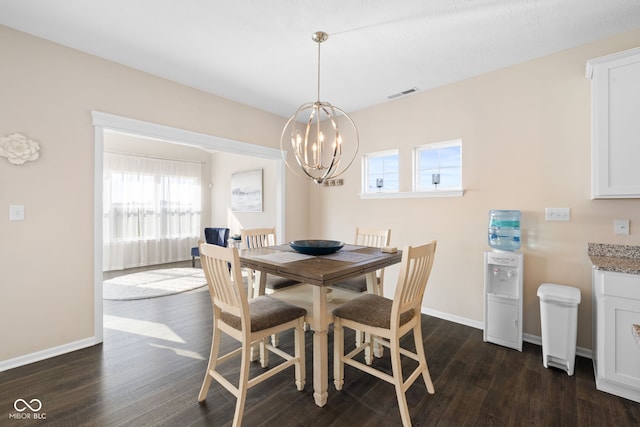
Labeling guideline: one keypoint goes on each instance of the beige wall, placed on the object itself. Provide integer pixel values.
(526, 145)
(224, 165)
(46, 262)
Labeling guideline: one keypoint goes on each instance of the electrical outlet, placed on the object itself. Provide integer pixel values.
(621, 226)
(557, 214)
(16, 213)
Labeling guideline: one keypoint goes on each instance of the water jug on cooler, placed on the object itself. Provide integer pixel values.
(504, 230)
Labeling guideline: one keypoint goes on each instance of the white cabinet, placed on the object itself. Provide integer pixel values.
(616, 354)
(615, 127)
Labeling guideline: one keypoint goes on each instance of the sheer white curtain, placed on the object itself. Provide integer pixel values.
(152, 210)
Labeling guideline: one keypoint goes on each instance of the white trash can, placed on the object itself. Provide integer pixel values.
(559, 321)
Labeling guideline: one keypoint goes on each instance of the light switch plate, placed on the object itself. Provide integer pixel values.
(557, 214)
(621, 226)
(16, 212)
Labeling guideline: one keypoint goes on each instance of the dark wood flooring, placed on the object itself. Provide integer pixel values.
(150, 367)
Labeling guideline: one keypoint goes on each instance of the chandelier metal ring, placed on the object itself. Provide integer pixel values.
(314, 137)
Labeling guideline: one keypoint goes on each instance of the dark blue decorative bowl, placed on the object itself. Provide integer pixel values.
(316, 247)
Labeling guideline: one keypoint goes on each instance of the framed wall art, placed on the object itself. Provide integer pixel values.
(246, 191)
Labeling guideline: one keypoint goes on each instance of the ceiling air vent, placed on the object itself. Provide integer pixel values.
(403, 93)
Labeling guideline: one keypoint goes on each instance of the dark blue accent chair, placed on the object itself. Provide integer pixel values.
(213, 236)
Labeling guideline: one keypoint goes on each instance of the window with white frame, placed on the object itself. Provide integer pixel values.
(438, 166)
(152, 210)
(380, 172)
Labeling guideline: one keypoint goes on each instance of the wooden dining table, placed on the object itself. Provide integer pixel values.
(317, 274)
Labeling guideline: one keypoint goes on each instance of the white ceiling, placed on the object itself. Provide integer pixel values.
(260, 53)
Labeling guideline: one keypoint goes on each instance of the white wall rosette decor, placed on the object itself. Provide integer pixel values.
(19, 149)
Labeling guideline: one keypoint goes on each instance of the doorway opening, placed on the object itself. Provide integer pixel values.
(108, 122)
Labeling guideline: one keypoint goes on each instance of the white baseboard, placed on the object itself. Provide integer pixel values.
(584, 352)
(452, 318)
(533, 339)
(5, 365)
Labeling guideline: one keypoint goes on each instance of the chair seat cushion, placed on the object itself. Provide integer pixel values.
(266, 312)
(277, 282)
(195, 251)
(356, 284)
(372, 310)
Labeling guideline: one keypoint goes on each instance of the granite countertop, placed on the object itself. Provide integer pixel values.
(616, 258)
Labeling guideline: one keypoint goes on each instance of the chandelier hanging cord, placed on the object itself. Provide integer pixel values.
(319, 37)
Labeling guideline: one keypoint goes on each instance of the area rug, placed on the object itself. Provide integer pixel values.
(153, 283)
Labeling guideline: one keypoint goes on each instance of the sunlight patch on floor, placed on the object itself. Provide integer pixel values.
(141, 327)
(181, 351)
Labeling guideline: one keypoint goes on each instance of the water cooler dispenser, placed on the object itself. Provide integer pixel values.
(503, 281)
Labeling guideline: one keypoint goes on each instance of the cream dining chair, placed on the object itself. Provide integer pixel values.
(390, 320)
(259, 238)
(247, 321)
(376, 238)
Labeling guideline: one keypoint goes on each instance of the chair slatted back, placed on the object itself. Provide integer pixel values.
(258, 237)
(225, 286)
(376, 238)
(412, 281)
(373, 237)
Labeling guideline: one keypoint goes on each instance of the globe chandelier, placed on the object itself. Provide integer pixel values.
(312, 143)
